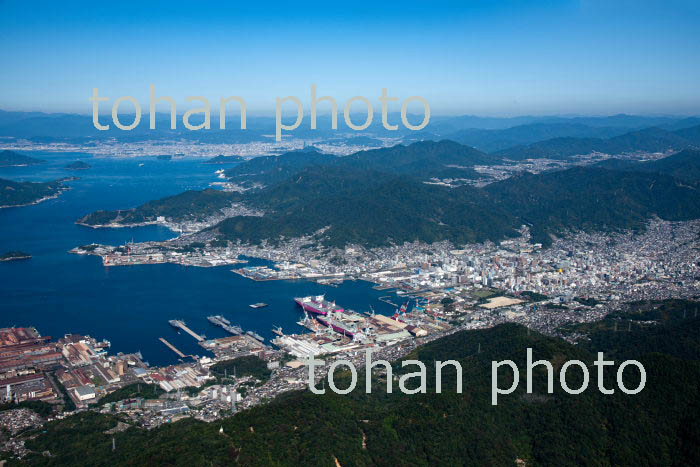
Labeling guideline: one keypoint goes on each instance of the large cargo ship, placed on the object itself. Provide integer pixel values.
(346, 329)
(318, 305)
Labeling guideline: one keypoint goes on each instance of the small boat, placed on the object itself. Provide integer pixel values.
(258, 305)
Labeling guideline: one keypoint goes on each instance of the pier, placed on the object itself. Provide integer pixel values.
(173, 348)
(387, 299)
(180, 324)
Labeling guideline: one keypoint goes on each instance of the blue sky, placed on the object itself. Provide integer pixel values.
(508, 57)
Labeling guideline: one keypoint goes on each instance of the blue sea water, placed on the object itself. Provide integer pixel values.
(59, 292)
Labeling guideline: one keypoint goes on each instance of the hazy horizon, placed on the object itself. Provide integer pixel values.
(270, 114)
(510, 58)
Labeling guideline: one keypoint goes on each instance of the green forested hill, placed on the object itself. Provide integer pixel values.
(14, 159)
(272, 169)
(683, 165)
(381, 196)
(189, 205)
(23, 193)
(421, 160)
(658, 426)
(369, 208)
(594, 199)
(221, 159)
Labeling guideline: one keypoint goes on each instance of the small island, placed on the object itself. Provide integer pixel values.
(14, 256)
(13, 159)
(78, 165)
(221, 159)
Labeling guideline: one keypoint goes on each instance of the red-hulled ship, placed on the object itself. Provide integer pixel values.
(340, 327)
(318, 305)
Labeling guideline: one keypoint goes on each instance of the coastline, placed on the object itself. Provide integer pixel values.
(121, 226)
(40, 200)
(15, 258)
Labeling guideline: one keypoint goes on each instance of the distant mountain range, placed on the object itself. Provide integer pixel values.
(497, 140)
(646, 140)
(488, 134)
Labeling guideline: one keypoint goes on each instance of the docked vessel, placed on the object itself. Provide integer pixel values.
(256, 336)
(216, 319)
(318, 305)
(339, 326)
(225, 324)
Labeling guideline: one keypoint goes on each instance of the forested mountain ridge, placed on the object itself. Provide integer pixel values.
(657, 426)
(594, 199)
(646, 140)
(684, 165)
(190, 205)
(24, 193)
(380, 197)
(375, 209)
(424, 159)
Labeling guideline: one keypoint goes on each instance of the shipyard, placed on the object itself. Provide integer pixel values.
(443, 291)
(433, 291)
(78, 373)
